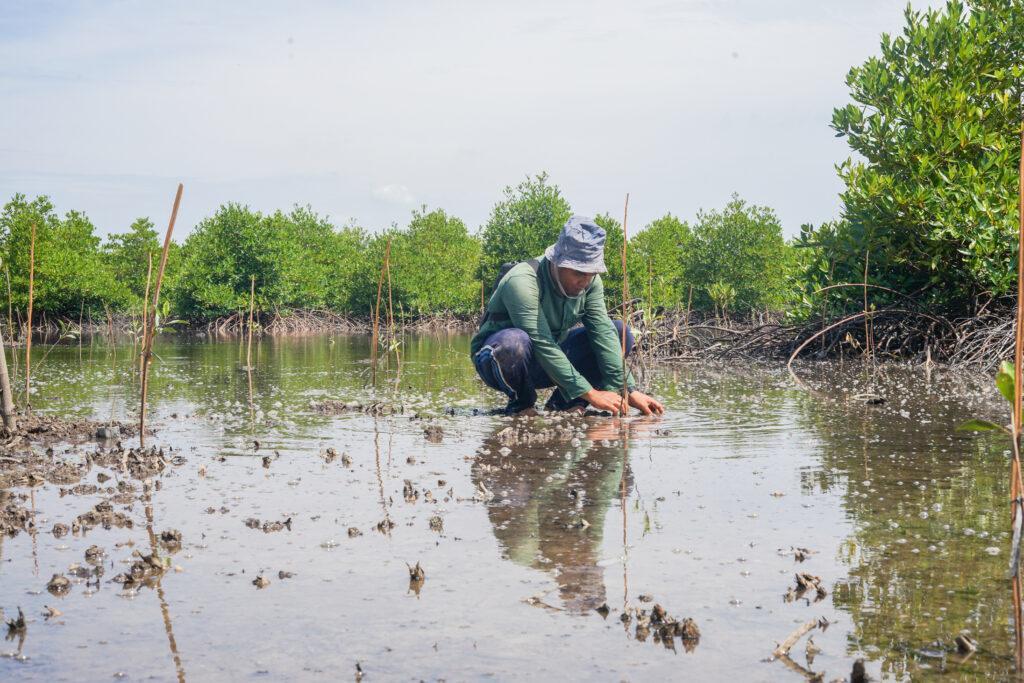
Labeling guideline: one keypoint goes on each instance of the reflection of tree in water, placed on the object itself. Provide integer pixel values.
(925, 504)
(542, 498)
(205, 374)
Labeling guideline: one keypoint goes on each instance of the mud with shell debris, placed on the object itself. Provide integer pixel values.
(35, 428)
(433, 539)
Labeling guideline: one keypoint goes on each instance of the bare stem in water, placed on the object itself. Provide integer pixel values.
(149, 325)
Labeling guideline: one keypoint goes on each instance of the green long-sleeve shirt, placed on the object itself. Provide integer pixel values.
(534, 304)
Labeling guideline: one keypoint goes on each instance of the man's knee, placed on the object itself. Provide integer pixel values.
(511, 345)
(629, 335)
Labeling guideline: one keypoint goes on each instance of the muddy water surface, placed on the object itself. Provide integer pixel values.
(300, 519)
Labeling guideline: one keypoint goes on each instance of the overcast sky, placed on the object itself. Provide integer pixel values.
(367, 110)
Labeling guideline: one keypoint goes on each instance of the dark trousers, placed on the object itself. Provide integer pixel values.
(506, 363)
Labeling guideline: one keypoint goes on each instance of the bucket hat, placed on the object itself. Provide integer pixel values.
(580, 246)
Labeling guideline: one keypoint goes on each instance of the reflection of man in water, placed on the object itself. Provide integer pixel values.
(541, 501)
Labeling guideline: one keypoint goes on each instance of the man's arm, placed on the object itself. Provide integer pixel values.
(607, 345)
(604, 339)
(522, 300)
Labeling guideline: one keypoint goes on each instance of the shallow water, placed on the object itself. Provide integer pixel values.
(906, 520)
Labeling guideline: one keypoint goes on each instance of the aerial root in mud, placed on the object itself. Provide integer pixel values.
(901, 331)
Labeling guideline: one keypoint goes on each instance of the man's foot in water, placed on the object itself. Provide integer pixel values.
(520, 410)
(556, 404)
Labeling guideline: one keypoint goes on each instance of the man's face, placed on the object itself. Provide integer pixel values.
(574, 281)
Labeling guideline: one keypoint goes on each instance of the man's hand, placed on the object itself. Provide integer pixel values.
(613, 403)
(606, 400)
(645, 404)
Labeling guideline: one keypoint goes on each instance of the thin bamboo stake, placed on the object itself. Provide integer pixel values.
(868, 341)
(481, 297)
(376, 315)
(149, 326)
(1016, 487)
(252, 304)
(625, 307)
(28, 337)
(145, 309)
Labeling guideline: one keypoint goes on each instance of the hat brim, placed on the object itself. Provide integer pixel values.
(588, 267)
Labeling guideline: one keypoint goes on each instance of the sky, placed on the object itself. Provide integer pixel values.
(368, 110)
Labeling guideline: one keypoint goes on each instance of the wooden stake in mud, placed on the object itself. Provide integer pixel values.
(149, 325)
(7, 400)
(625, 307)
(376, 313)
(28, 337)
(1016, 487)
(252, 303)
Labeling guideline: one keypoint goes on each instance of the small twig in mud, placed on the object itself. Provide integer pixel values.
(794, 637)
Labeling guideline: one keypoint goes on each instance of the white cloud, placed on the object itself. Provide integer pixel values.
(394, 194)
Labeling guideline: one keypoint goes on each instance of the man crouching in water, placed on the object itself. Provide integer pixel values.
(527, 342)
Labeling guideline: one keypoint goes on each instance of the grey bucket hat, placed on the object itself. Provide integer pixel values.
(580, 246)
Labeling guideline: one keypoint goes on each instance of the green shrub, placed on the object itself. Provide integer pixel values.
(740, 246)
(657, 263)
(931, 200)
(71, 275)
(295, 257)
(523, 225)
(434, 264)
